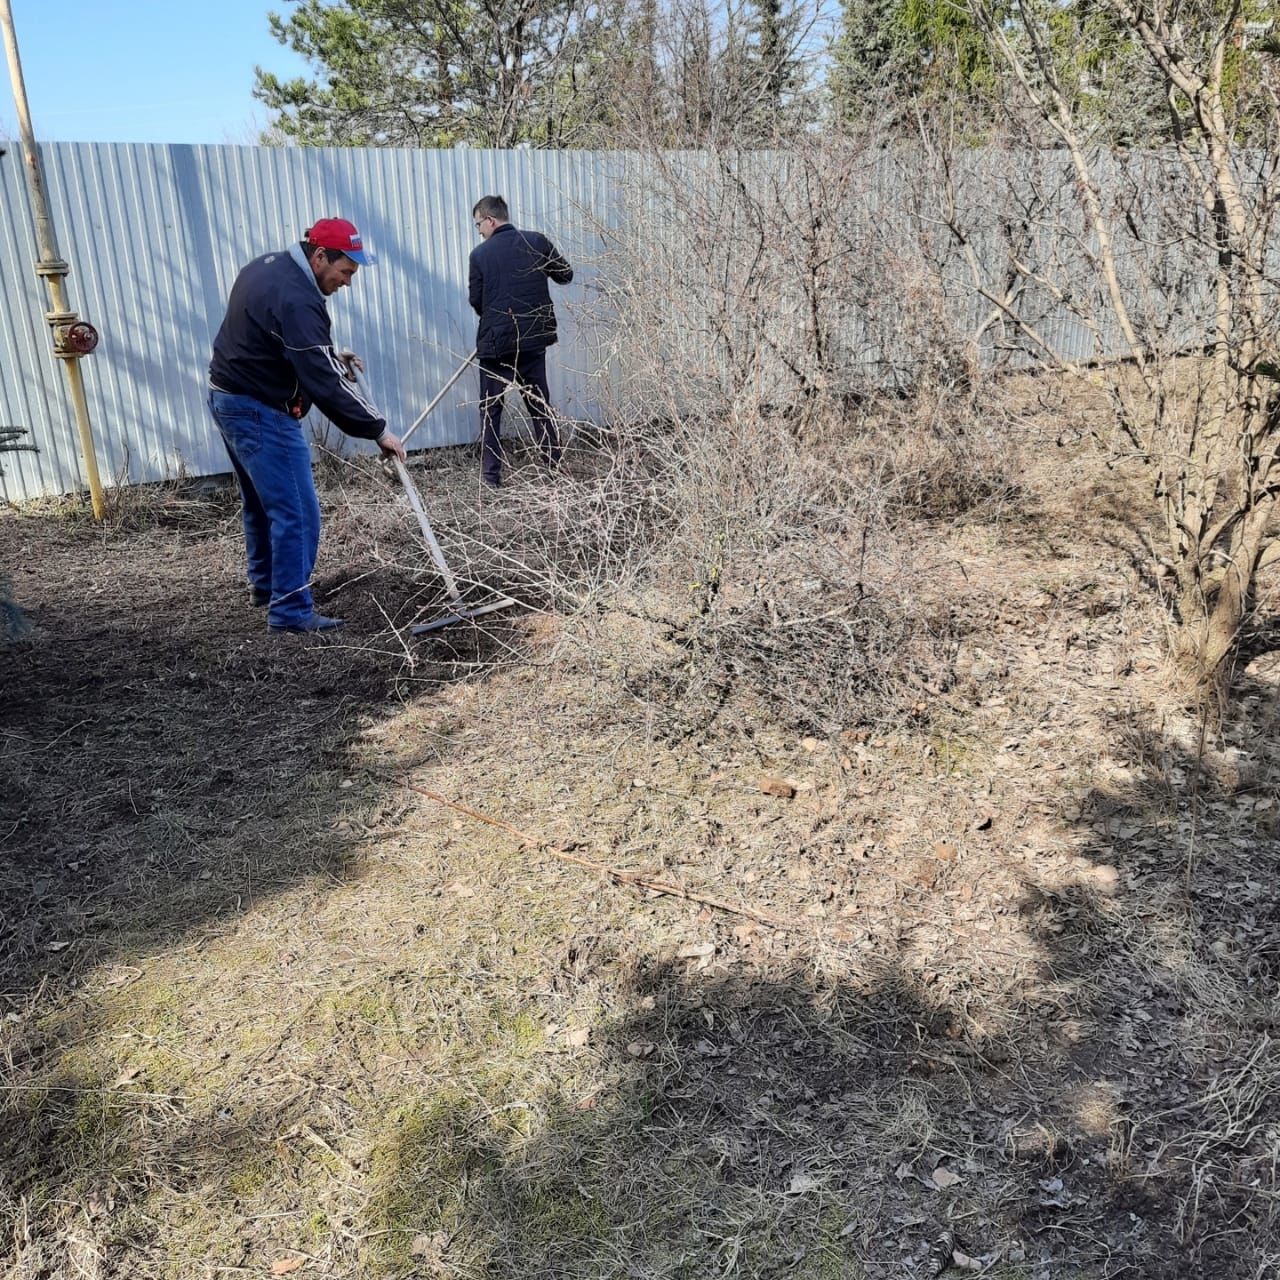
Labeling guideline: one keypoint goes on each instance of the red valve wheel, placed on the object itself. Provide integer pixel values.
(81, 337)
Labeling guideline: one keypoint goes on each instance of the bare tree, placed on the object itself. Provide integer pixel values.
(1164, 258)
(716, 73)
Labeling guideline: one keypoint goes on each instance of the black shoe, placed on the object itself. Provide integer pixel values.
(259, 597)
(308, 626)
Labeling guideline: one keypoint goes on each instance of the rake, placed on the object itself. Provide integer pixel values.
(461, 610)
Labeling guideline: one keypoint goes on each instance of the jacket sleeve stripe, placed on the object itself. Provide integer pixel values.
(351, 388)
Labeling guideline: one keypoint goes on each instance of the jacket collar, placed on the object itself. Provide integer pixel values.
(295, 252)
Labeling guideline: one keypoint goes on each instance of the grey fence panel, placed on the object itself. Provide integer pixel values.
(155, 235)
(31, 395)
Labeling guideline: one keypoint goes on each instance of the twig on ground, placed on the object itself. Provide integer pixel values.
(636, 878)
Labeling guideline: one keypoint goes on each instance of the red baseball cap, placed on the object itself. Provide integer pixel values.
(338, 233)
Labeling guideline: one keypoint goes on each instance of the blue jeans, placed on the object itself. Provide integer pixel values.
(528, 371)
(272, 462)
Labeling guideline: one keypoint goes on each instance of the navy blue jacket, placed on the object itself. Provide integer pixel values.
(508, 291)
(275, 345)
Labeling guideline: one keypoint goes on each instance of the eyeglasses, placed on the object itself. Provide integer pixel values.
(481, 223)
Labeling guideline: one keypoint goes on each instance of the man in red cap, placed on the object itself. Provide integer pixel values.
(273, 358)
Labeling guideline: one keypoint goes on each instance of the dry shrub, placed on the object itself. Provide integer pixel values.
(761, 565)
(788, 590)
(787, 388)
(787, 317)
(939, 455)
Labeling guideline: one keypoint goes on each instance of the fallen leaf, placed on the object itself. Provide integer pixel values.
(425, 1246)
(127, 1077)
(96, 1206)
(947, 852)
(963, 1262)
(282, 1266)
(802, 1182)
(57, 946)
(696, 951)
(779, 787)
(576, 1037)
(942, 1178)
(925, 874)
(640, 1048)
(1056, 1196)
(460, 890)
(742, 933)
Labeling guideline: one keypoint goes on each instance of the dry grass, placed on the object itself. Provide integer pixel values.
(303, 1014)
(887, 668)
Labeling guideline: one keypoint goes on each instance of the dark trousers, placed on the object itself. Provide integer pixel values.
(528, 371)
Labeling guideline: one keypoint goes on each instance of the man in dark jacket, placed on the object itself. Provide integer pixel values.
(508, 291)
(272, 359)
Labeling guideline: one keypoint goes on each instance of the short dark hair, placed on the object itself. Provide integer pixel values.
(330, 255)
(494, 207)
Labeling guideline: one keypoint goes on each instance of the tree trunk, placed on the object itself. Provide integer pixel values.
(1210, 632)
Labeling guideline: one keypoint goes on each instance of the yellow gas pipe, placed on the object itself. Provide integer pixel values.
(72, 337)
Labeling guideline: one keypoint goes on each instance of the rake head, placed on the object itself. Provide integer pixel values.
(463, 615)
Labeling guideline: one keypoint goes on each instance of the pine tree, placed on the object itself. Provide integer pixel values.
(437, 72)
(774, 69)
(893, 57)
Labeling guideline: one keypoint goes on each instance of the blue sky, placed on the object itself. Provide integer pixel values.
(143, 70)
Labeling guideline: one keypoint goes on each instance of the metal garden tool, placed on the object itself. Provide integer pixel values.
(439, 395)
(461, 610)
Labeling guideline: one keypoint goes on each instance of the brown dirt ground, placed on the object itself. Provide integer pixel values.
(268, 1010)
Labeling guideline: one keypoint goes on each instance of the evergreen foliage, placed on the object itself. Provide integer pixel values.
(438, 72)
(546, 73)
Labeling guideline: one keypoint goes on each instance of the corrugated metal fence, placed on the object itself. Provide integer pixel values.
(723, 251)
(155, 236)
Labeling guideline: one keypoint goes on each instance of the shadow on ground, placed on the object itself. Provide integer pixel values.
(167, 761)
(842, 1115)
